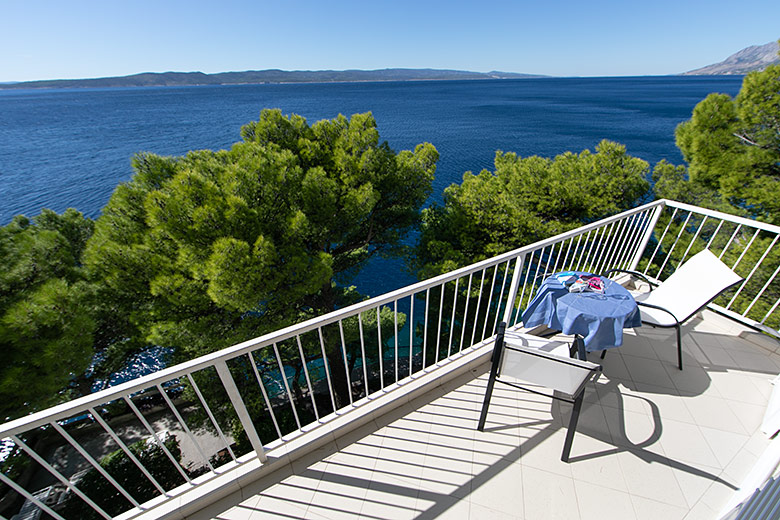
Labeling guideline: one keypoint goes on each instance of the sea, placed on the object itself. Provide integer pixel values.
(62, 148)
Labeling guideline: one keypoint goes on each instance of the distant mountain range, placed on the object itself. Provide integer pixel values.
(153, 79)
(756, 57)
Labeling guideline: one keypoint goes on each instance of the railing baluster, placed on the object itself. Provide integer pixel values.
(671, 250)
(660, 240)
(326, 365)
(56, 474)
(731, 239)
(380, 349)
(755, 267)
(536, 274)
(771, 310)
(490, 300)
(238, 405)
(500, 298)
(465, 314)
(265, 394)
(452, 319)
(95, 464)
(186, 428)
(395, 336)
(597, 237)
(574, 254)
(306, 375)
(618, 243)
(159, 442)
(693, 240)
(566, 258)
(425, 327)
(525, 282)
(761, 292)
(476, 311)
(585, 248)
(346, 362)
(286, 385)
(621, 246)
(411, 331)
(549, 259)
(26, 494)
(558, 257)
(639, 230)
(211, 416)
(126, 450)
(745, 250)
(438, 328)
(717, 229)
(363, 353)
(607, 239)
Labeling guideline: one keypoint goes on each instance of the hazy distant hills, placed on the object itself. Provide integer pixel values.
(152, 79)
(756, 57)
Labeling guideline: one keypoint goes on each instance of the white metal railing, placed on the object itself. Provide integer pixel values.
(270, 389)
(748, 247)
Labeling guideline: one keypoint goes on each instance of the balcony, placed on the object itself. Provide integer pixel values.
(652, 441)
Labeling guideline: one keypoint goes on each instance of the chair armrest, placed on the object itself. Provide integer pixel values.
(634, 273)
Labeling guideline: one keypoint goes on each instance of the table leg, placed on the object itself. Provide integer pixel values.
(579, 343)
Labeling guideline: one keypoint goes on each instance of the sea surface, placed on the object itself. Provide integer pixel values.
(71, 147)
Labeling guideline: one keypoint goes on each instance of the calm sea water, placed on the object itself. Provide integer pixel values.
(70, 148)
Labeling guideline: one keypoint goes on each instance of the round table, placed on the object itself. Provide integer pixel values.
(599, 319)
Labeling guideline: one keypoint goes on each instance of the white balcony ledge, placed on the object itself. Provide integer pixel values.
(652, 442)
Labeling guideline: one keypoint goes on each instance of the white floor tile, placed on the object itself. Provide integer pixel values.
(652, 442)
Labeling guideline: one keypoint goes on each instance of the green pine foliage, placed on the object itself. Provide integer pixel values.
(46, 320)
(525, 200)
(732, 147)
(203, 251)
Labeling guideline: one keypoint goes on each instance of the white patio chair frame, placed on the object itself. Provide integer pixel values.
(686, 279)
(567, 377)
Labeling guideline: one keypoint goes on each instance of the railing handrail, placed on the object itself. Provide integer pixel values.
(720, 215)
(65, 410)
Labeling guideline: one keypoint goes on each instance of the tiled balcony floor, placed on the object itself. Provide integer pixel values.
(652, 442)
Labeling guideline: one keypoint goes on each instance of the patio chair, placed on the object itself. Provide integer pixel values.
(521, 358)
(687, 291)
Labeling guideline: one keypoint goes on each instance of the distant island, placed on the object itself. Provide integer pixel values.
(173, 79)
(749, 59)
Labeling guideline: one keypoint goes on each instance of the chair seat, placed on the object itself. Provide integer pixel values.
(651, 315)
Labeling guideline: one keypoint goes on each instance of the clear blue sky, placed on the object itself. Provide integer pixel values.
(48, 39)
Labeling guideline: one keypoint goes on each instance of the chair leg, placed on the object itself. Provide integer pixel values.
(494, 366)
(679, 347)
(603, 353)
(488, 395)
(575, 414)
(580, 343)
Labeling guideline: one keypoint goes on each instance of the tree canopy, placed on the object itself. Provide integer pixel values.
(46, 321)
(732, 146)
(525, 200)
(202, 251)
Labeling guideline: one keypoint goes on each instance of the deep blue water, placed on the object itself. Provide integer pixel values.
(70, 148)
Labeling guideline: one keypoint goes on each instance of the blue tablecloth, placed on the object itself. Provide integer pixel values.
(598, 318)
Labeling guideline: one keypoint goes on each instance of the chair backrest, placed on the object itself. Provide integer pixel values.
(693, 285)
(522, 359)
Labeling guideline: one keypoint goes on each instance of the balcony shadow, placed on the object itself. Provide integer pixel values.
(423, 460)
